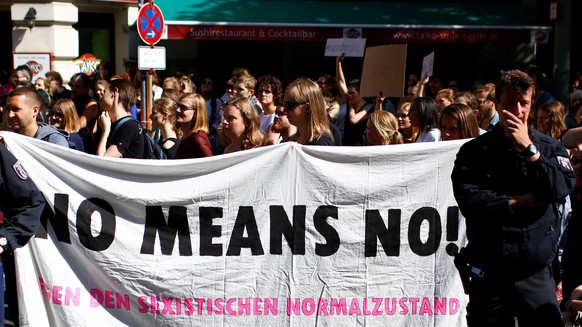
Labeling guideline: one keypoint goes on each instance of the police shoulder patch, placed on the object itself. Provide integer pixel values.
(20, 171)
(565, 162)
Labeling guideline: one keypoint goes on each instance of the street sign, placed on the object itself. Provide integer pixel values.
(148, 58)
(150, 23)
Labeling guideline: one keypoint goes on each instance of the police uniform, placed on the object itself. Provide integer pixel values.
(509, 249)
(21, 204)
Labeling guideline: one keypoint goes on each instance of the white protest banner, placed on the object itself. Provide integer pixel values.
(351, 47)
(427, 65)
(283, 235)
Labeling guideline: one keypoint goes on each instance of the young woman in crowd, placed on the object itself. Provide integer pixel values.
(382, 129)
(187, 85)
(281, 130)
(458, 121)
(305, 109)
(443, 98)
(192, 118)
(63, 115)
(269, 94)
(552, 119)
(42, 83)
(164, 118)
(240, 129)
(424, 115)
(357, 108)
(405, 128)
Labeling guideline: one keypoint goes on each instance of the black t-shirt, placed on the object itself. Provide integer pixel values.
(354, 133)
(324, 139)
(128, 135)
(170, 152)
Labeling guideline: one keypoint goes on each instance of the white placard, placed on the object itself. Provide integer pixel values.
(149, 57)
(351, 47)
(427, 65)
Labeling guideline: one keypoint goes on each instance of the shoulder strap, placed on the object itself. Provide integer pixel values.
(122, 121)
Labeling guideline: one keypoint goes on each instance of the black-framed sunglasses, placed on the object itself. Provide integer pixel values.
(289, 105)
(56, 114)
(183, 107)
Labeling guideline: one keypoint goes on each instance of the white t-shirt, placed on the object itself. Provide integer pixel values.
(434, 135)
(266, 121)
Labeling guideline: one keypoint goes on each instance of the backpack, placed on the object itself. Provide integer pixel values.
(152, 150)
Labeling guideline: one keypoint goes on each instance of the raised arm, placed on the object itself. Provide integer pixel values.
(341, 80)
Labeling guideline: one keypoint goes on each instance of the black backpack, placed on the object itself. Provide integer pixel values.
(153, 150)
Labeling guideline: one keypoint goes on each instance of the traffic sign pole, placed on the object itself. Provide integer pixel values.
(150, 26)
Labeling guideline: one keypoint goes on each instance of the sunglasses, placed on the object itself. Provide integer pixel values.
(183, 107)
(56, 114)
(208, 81)
(290, 105)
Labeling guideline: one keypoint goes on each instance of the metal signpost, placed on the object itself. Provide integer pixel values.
(150, 26)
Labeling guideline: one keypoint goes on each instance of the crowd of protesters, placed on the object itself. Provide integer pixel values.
(101, 115)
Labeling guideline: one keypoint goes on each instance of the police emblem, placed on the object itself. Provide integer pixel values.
(22, 174)
(565, 162)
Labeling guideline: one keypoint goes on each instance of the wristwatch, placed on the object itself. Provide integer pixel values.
(530, 151)
(3, 244)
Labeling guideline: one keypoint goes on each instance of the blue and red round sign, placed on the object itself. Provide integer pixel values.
(150, 23)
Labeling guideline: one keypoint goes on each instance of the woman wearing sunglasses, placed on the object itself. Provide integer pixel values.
(305, 109)
(192, 119)
(64, 116)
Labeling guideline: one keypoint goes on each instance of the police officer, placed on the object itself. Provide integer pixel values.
(508, 184)
(21, 204)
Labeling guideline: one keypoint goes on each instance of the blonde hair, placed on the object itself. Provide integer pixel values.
(186, 82)
(447, 93)
(303, 90)
(387, 126)
(47, 84)
(167, 107)
(248, 81)
(199, 122)
(70, 117)
(413, 130)
(252, 136)
(175, 83)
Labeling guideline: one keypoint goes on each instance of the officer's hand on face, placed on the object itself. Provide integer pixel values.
(516, 130)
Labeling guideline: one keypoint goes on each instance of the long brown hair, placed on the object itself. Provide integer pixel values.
(304, 90)
(199, 122)
(556, 111)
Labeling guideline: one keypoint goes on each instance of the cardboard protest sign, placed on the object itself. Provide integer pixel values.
(384, 71)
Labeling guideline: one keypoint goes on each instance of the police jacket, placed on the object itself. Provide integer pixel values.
(20, 202)
(489, 170)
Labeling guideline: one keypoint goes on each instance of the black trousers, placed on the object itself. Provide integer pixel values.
(495, 301)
